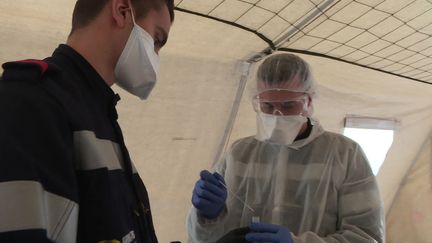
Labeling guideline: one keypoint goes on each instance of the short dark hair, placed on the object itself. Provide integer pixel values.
(86, 10)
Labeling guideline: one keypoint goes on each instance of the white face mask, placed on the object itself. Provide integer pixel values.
(279, 129)
(136, 70)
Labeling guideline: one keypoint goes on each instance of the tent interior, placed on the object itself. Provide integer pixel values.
(371, 59)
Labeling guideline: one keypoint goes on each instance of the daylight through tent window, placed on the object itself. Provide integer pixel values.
(374, 135)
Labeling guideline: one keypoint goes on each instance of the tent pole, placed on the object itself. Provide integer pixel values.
(304, 21)
(245, 68)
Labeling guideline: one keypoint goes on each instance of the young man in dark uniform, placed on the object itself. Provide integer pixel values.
(65, 172)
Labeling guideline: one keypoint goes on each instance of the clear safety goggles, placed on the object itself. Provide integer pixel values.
(278, 105)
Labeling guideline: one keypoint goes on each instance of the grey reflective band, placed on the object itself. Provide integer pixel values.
(94, 153)
(26, 205)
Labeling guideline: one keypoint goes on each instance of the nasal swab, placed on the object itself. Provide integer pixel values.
(238, 198)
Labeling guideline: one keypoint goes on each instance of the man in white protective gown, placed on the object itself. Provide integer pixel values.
(304, 184)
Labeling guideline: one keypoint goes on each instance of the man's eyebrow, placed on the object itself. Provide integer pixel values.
(164, 35)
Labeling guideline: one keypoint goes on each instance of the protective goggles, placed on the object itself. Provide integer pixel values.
(276, 104)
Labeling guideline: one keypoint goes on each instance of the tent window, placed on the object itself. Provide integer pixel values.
(374, 135)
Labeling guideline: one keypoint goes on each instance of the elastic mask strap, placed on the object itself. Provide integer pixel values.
(306, 106)
(132, 12)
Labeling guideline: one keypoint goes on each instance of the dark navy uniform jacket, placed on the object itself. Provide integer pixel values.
(65, 172)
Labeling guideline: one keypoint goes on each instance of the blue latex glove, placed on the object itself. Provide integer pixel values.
(209, 194)
(261, 232)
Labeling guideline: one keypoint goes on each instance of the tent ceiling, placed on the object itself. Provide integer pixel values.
(393, 36)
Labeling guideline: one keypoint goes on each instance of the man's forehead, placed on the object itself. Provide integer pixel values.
(160, 16)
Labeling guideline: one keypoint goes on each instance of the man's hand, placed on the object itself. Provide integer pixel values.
(261, 232)
(209, 194)
(235, 236)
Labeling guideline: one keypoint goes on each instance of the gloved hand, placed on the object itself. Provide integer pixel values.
(261, 232)
(235, 236)
(209, 194)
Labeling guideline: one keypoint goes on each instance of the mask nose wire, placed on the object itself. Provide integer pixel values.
(277, 112)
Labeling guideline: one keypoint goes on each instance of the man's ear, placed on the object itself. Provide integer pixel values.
(121, 12)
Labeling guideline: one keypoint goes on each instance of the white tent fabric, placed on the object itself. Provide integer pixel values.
(181, 128)
(392, 36)
(411, 212)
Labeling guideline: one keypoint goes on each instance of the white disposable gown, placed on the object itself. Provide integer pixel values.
(321, 188)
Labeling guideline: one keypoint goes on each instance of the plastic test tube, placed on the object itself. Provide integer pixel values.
(255, 219)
